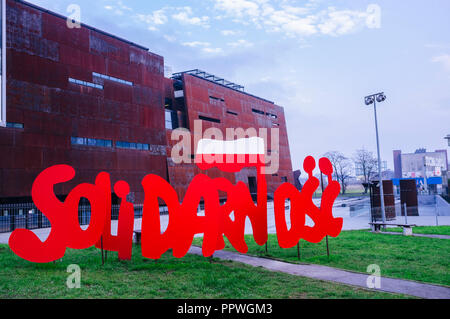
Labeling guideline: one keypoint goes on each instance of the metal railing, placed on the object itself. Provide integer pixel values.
(28, 216)
(432, 208)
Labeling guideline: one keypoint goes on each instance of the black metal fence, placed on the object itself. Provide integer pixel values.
(27, 216)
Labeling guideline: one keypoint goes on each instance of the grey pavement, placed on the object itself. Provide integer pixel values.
(391, 285)
(418, 235)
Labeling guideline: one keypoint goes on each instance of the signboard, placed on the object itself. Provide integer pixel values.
(184, 223)
(434, 161)
(434, 165)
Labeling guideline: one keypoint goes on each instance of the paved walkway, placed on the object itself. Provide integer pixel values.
(398, 286)
(418, 235)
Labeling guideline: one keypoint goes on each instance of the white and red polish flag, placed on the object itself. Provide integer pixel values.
(231, 156)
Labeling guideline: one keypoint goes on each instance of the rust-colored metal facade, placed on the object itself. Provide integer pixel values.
(222, 107)
(408, 196)
(389, 200)
(42, 55)
(81, 83)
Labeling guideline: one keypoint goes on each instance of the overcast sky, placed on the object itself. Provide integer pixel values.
(316, 58)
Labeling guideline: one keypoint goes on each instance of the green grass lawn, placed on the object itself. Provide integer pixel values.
(414, 258)
(189, 277)
(429, 230)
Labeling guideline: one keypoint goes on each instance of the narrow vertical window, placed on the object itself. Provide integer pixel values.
(169, 124)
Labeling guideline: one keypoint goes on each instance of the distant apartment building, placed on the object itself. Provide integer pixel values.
(422, 164)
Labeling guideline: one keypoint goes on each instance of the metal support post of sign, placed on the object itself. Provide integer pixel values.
(101, 246)
(406, 214)
(321, 183)
(437, 211)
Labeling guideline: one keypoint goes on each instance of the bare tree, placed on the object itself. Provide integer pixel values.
(342, 168)
(366, 162)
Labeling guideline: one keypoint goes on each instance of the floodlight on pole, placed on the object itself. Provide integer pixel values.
(369, 100)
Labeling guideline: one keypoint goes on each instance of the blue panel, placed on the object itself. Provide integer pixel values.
(419, 180)
(434, 180)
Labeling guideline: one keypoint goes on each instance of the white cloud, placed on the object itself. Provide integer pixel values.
(291, 25)
(205, 47)
(293, 20)
(118, 8)
(154, 19)
(296, 10)
(212, 50)
(231, 32)
(238, 8)
(443, 59)
(240, 44)
(195, 44)
(170, 38)
(123, 7)
(184, 16)
(342, 22)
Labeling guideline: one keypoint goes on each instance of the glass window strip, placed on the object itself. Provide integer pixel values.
(132, 146)
(216, 98)
(108, 143)
(111, 78)
(209, 119)
(258, 111)
(272, 115)
(232, 113)
(90, 142)
(14, 125)
(85, 83)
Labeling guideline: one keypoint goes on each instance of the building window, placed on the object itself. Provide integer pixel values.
(273, 116)
(209, 119)
(216, 100)
(174, 118)
(84, 83)
(258, 112)
(231, 112)
(133, 146)
(90, 142)
(284, 179)
(171, 118)
(14, 125)
(111, 78)
(168, 103)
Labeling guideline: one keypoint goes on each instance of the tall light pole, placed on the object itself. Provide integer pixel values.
(445, 177)
(373, 99)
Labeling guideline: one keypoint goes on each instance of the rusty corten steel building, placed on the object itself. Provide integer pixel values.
(100, 103)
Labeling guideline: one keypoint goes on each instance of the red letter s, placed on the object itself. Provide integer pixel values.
(63, 216)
